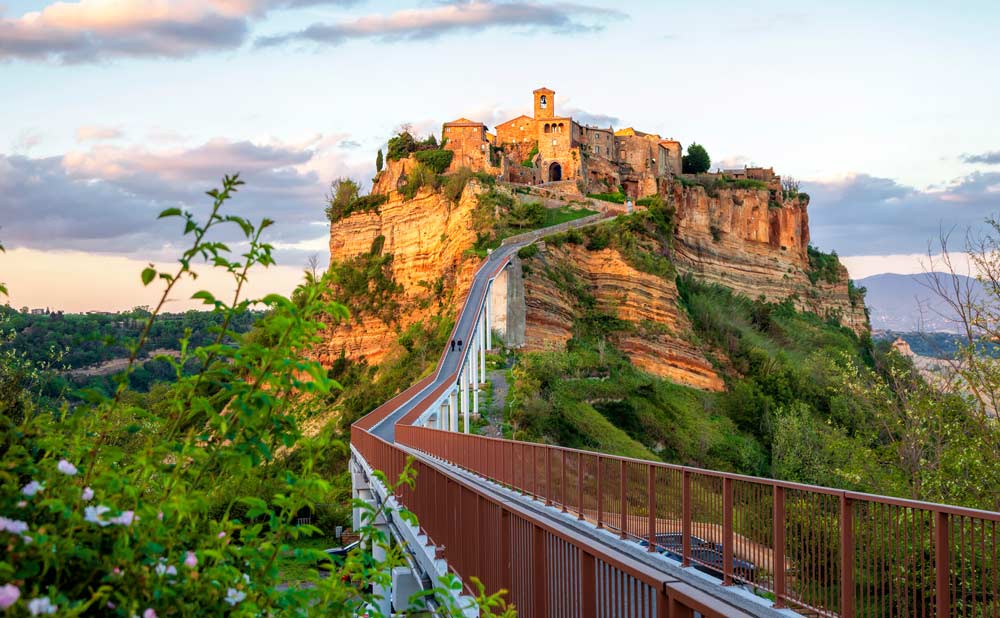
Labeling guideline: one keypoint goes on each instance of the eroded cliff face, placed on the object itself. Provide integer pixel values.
(739, 240)
(427, 237)
(655, 337)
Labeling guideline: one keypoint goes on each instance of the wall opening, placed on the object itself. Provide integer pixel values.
(555, 172)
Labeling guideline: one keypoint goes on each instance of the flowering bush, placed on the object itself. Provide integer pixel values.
(186, 504)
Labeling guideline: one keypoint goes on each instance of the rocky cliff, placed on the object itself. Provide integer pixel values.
(742, 240)
(427, 238)
(566, 284)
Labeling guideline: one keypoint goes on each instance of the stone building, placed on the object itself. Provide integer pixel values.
(471, 144)
(546, 147)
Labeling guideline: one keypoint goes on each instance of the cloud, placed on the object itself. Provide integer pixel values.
(106, 199)
(585, 117)
(93, 30)
(27, 139)
(459, 16)
(990, 158)
(96, 134)
(867, 215)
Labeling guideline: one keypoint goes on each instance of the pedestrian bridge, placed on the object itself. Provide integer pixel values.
(576, 533)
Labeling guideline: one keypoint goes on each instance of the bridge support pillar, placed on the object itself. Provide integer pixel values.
(465, 400)
(481, 342)
(383, 595)
(453, 410)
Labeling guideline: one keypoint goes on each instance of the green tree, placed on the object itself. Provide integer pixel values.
(378, 161)
(696, 161)
(343, 193)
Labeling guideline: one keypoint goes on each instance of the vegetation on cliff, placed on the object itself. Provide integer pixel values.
(345, 199)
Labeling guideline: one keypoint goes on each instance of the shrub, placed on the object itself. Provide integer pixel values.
(823, 266)
(343, 192)
(343, 200)
(419, 176)
(531, 214)
(378, 161)
(401, 145)
(528, 251)
(530, 161)
(437, 160)
(617, 198)
(696, 161)
(454, 184)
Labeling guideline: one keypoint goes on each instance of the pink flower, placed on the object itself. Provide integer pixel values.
(160, 515)
(116, 571)
(32, 488)
(88, 494)
(191, 561)
(66, 467)
(222, 534)
(9, 595)
(149, 613)
(125, 519)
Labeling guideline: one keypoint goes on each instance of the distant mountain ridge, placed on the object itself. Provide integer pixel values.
(908, 302)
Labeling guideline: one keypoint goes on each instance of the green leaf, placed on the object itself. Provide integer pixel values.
(205, 296)
(148, 274)
(170, 212)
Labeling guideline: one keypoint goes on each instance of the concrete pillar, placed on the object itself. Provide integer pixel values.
(481, 342)
(378, 553)
(487, 317)
(453, 409)
(443, 410)
(465, 403)
(475, 394)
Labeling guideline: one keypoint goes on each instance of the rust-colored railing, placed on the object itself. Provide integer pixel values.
(547, 568)
(827, 551)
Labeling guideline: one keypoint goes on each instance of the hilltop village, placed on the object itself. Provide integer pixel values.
(555, 150)
(438, 206)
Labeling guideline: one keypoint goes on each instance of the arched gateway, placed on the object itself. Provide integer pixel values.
(555, 172)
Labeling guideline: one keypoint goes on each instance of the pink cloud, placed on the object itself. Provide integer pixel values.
(90, 30)
(96, 134)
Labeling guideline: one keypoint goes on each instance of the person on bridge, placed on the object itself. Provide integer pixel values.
(452, 345)
(459, 344)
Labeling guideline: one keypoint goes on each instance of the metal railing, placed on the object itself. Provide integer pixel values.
(548, 569)
(826, 551)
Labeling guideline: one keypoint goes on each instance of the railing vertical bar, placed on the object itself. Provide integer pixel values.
(846, 557)
(651, 504)
(778, 553)
(727, 531)
(941, 565)
(686, 519)
(579, 485)
(600, 492)
(562, 485)
(623, 483)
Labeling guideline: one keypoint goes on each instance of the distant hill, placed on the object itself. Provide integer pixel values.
(905, 302)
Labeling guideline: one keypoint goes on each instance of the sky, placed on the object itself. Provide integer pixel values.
(116, 109)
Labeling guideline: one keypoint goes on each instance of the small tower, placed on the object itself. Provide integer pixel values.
(545, 103)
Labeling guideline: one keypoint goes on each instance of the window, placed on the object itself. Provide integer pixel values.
(554, 142)
(543, 101)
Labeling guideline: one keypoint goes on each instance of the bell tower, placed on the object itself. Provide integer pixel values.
(545, 103)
